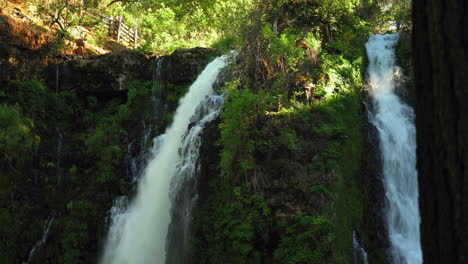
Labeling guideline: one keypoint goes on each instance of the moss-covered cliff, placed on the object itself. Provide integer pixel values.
(67, 142)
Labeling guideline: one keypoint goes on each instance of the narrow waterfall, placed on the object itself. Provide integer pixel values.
(138, 152)
(41, 242)
(360, 255)
(394, 121)
(159, 87)
(138, 234)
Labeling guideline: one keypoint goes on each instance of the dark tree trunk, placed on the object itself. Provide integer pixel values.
(440, 42)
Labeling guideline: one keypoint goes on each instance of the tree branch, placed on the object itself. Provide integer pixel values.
(123, 2)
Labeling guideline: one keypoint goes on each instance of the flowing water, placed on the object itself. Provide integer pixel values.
(360, 255)
(138, 151)
(394, 120)
(41, 242)
(138, 233)
(184, 185)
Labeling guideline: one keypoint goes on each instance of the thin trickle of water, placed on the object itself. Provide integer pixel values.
(130, 161)
(56, 78)
(360, 255)
(59, 155)
(41, 242)
(158, 80)
(159, 87)
(138, 151)
(394, 121)
(136, 164)
(139, 234)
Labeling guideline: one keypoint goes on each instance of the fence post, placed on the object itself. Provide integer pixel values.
(135, 38)
(81, 7)
(119, 23)
(111, 26)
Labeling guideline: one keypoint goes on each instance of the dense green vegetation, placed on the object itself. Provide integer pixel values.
(164, 25)
(291, 124)
(287, 186)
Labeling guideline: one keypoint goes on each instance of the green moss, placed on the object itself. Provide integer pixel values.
(239, 130)
(348, 193)
(230, 223)
(307, 240)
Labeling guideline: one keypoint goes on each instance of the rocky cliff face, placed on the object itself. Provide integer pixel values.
(20, 49)
(374, 235)
(112, 72)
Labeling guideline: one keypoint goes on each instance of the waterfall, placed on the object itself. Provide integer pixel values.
(158, 80)
(184, 185)
(41, 242)
(360, 255)
(138, 234)
(158, 93)
(59, 155)
(394, 121)
(138, 153)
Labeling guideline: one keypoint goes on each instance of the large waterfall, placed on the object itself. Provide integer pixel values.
(138, 234)
(394, 121)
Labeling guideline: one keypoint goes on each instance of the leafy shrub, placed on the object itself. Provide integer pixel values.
(308, 240)
(241, 115)
(230, 223)
(16, 136)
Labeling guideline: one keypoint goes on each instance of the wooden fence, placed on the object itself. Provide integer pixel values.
(117, 29)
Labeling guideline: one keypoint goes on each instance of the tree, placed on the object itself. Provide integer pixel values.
(397, 12)
(63, 13)
(441, 83)
(16, 137)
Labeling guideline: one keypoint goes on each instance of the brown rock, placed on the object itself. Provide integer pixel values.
(22, 35)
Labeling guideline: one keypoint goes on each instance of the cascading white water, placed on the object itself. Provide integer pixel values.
(138, 235)
(394, 121)
(185, 184)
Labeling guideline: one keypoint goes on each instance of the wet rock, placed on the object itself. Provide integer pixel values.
(98, 74)
(375, 237)
(185, 64)
(112, 72)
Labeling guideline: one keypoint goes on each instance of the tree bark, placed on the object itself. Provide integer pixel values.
(440, 39)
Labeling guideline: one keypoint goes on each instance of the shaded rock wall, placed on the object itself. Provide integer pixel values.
(111, 72)
(374, 233)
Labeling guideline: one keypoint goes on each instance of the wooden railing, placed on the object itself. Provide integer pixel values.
(116, 28)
